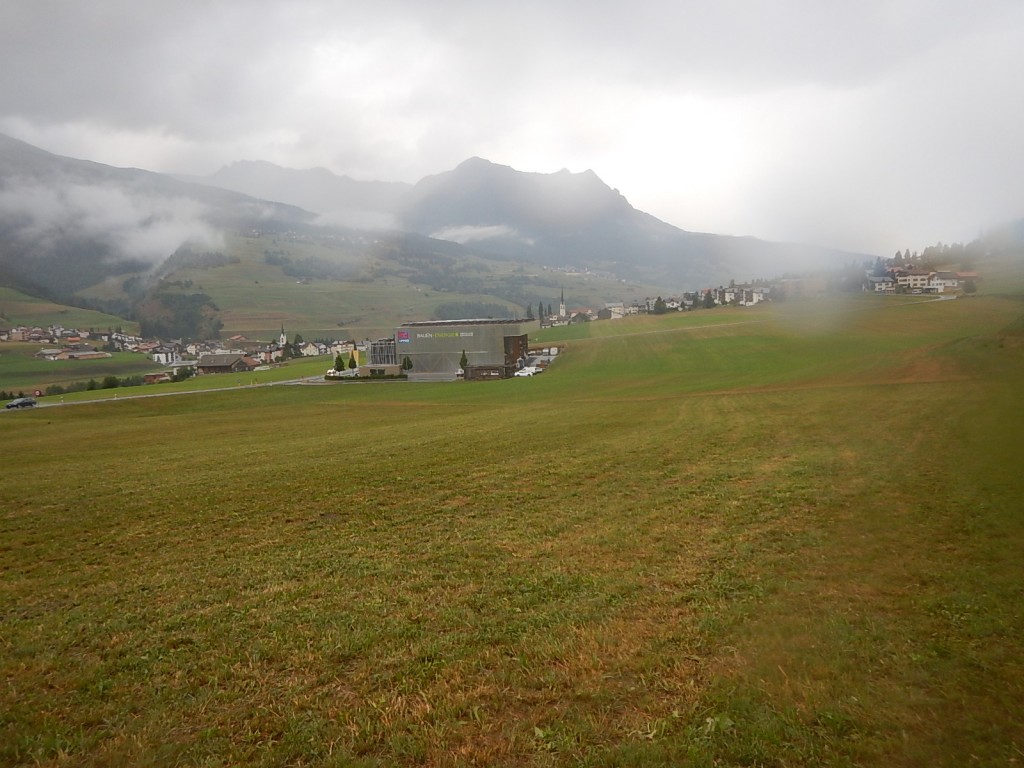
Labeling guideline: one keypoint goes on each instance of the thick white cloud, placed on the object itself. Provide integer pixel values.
(135, 226)
(871, 126)
(471, 234)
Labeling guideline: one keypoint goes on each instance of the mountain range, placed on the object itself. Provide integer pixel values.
(68, 225)
(556, 219)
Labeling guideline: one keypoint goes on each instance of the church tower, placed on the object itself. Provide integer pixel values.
(283, 338)
(561, 305)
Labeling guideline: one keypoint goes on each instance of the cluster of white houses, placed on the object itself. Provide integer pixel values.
(738, 295)
(54, 334)
(896, 280)
(919, 281)
(231, 356)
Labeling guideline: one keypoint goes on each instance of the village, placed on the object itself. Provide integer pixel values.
(885, 278)
(233, 355)
(180, 358)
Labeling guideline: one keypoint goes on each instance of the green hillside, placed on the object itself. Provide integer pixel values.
(329, 286)
(788, 535)
(17, 308)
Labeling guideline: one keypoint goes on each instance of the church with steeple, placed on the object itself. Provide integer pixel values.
(555, 318)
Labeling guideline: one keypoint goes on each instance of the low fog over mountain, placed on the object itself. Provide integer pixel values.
(338, 200)
(66, 224)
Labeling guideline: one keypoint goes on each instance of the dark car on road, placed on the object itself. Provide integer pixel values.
(21, 402)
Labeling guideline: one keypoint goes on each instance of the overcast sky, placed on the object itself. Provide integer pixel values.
(869, 125)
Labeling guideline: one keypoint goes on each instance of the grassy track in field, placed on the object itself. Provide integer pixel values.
(787, 536)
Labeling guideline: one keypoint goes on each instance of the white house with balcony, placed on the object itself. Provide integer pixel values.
(943, 282)
(913, 281)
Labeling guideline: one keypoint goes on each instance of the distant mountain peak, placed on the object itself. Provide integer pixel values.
(481, 164)
(267, 166)
(481, 196)
(251, 164)
(340, 199)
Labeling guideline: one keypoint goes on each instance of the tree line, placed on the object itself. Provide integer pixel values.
(107, 382)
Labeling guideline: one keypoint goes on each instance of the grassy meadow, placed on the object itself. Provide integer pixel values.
(17, 308)
(783, 536)
(20, 369)
(256, 298)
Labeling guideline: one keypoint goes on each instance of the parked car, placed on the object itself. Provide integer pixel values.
(525, 372)
(21, 402)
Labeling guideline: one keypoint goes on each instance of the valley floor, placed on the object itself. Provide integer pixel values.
(794, 541)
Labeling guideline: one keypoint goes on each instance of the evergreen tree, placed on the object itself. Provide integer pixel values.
(352, 361)
(463, 361)
(339, 362)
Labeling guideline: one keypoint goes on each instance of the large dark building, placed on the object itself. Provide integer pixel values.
(493, 348)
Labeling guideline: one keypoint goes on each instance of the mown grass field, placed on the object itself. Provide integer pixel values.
(782, 536)
(21, 369)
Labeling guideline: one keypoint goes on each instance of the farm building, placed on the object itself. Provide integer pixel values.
(493, 348)
(225, 363)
